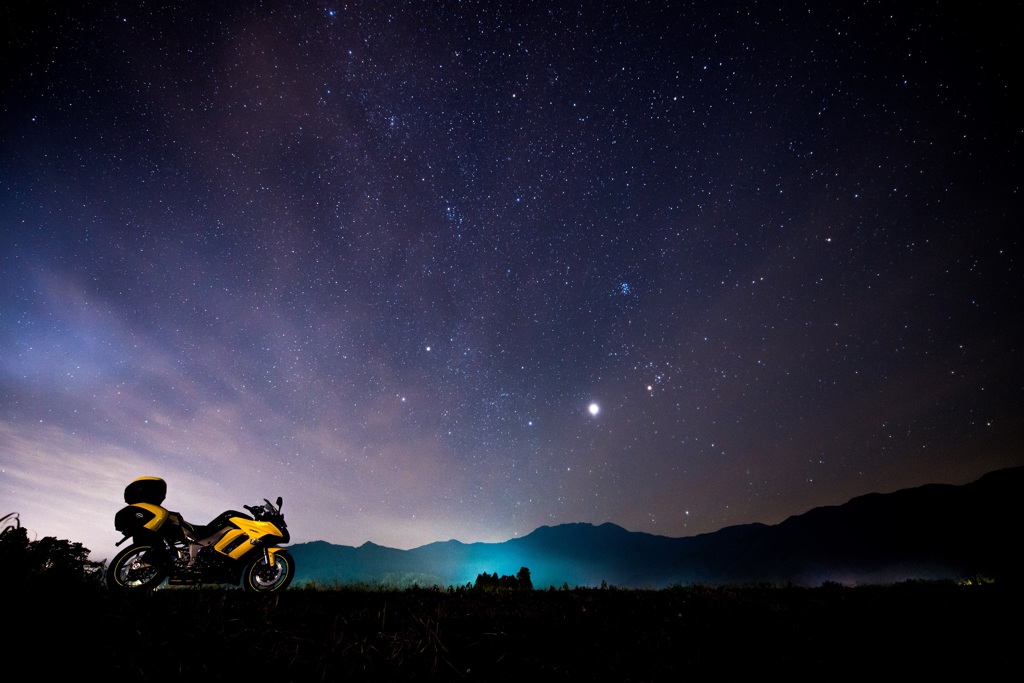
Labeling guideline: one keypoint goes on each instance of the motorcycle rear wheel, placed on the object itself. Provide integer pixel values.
(261, 577)
(130, 570)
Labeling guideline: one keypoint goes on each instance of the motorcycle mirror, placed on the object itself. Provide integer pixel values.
(279, 501)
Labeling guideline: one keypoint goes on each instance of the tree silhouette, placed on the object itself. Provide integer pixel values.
(492, 582)
(49, 558)
(525, 582)
(14, 560)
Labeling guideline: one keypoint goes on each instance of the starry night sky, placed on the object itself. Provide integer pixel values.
(382, 258)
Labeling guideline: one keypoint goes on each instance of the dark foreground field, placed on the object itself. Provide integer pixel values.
(689, 633)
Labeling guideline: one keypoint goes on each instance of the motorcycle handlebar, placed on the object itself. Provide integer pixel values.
(264, 509)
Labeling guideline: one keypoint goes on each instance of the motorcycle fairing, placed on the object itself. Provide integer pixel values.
(272, 553)
(233, 543)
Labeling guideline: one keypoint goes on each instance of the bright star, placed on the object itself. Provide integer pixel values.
(594, 409)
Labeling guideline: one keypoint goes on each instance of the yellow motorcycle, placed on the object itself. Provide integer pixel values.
(235, 548)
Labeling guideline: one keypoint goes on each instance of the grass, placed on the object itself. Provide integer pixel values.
(367, 634)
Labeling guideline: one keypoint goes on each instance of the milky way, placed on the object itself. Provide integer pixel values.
(459, 270)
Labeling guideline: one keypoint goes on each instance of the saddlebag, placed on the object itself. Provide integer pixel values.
(144, 519)
(140, 518)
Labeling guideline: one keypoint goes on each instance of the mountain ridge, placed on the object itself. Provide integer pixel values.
(931, 532)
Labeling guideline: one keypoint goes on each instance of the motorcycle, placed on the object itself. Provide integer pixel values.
(235, 548)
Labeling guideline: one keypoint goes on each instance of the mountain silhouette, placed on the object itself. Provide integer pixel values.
(931, 532)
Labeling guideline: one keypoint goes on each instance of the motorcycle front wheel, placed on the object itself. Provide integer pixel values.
(262, 577)
(130, 568)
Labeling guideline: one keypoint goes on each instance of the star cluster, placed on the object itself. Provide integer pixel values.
(457, 270)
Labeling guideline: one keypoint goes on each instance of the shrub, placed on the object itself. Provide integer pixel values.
(49, 559)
